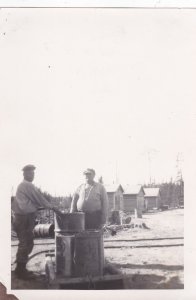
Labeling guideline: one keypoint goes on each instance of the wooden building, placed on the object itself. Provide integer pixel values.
(133, 198)
(115, 197)
(152, 198)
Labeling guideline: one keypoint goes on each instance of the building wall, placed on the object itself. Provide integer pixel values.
(121, 201)
(153, 202)
(129, 203)
(150, 202)
(118, 200)
(110, 201)
(115, 201)
(140, 201)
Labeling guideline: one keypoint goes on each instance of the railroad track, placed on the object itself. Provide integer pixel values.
(124, 243)
(144, 243)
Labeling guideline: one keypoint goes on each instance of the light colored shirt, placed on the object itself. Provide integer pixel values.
(28, 199)
(89, 198)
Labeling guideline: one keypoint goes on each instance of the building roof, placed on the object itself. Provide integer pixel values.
(151, 192)
(112, 188)
(132, 189)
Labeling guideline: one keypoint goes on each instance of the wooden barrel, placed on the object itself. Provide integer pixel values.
(69, 222)
(89, 253)
(44, 230)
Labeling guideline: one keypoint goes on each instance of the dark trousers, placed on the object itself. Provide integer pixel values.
(93, 220)
(23, 225)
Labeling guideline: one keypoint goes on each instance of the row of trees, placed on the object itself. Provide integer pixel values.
(63, 202)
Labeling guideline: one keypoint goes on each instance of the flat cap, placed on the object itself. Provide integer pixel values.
(89, 171)
(28, 168)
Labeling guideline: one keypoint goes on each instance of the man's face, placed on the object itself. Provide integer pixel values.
(89, 177)
(29, 175)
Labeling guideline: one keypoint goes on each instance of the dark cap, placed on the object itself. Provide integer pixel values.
(89, 171)
(28, 168)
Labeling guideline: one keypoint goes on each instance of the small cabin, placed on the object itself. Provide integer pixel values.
(152, 198)
(133, 198)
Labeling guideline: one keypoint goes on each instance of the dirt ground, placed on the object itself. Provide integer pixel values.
(149, 258)
(153, 267)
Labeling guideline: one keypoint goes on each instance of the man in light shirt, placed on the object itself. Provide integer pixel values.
(91, 198)
(25, 205)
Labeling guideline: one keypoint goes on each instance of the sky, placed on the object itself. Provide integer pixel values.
(95, 89)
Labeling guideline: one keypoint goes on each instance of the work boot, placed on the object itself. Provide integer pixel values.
(22, 273)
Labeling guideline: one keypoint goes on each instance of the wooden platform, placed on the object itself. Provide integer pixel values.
(107, 281)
